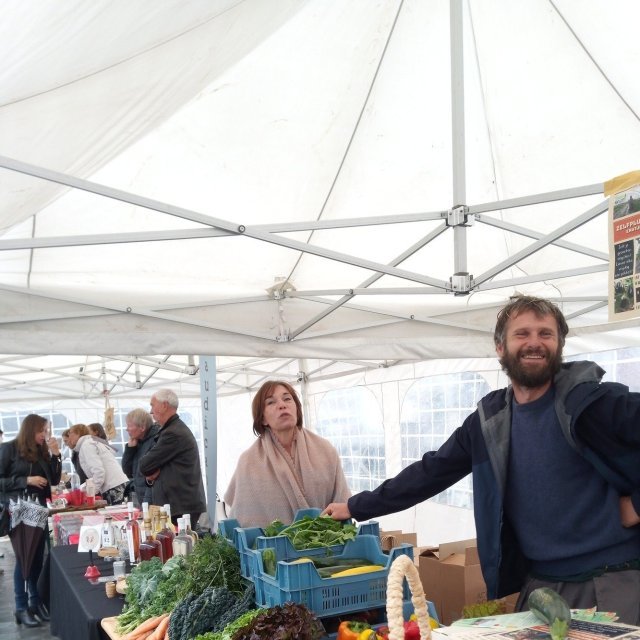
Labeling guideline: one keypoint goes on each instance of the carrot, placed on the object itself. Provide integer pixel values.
(143, 628)
(161, 629)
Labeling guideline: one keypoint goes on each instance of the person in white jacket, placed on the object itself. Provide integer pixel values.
(98, 461)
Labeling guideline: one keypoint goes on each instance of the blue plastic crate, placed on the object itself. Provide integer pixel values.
(249, 538)
(302, 584)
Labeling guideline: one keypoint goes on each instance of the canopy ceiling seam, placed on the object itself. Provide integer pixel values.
(490, 137)
(593, 61)
(114, 65)
(351, 137)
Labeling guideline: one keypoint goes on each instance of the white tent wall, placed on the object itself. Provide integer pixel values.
(301, 180)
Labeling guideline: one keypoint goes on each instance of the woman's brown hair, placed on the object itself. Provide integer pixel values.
(260, 399)
(80, 430)
(26, 439)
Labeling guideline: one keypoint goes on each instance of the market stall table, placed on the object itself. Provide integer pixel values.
(77, 605)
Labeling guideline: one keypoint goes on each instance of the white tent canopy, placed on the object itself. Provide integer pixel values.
(355, 182)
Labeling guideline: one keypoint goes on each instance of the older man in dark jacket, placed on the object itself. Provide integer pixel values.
(172, 465)
(142, 434)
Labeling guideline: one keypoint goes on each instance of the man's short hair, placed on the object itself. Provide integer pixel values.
(140, 418)
(168, 396)
(519, 304)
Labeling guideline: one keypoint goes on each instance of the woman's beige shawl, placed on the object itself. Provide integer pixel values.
(270, 484)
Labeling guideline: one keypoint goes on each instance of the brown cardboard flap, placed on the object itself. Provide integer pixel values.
(460, 546)
(451, 577)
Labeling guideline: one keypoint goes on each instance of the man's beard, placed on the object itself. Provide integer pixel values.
(528, 376)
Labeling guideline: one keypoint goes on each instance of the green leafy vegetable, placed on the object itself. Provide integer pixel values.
(287, 622)
(313, 533)
(232, 627)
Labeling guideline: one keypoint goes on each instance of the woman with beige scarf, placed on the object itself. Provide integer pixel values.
(287, 468)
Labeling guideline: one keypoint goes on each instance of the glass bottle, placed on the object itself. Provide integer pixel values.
(150, 548)
(182, 543)
(167, 510)
(187, 525)
(146, 517)
(133, 536)
(165, 536)
(108, 537)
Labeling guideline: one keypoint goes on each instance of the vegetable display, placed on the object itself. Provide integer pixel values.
(313, 533)
(289, 621)
(154, 589)
(553, 609)
(327, 567)
(351, 630)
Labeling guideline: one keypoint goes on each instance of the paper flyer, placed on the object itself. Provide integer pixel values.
(624, 247)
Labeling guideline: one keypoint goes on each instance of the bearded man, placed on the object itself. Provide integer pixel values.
(555, 459)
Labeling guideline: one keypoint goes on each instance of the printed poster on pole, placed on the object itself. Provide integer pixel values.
(624, 246)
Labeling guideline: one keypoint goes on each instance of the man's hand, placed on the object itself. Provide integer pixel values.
(337, 510)
(628, 515)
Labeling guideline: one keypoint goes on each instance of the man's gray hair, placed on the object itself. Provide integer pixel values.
(168, 396)
(140, 418)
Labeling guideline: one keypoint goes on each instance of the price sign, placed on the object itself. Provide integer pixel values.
(90, 539)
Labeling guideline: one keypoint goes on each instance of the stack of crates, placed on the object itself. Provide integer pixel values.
(300, 582)
(249, 538)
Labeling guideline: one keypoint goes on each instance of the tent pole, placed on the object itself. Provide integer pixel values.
(304, 395)
(458, 132)
(208, 397)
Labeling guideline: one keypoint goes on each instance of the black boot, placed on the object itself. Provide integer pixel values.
(40, 612)
(24, 617)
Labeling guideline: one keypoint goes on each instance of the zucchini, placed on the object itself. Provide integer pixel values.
(356, 571)
(552, 609)
(333, 561)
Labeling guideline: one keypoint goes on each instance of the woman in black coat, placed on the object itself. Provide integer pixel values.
(30, 465)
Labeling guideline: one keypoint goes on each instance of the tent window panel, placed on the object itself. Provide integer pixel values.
(352, 421)
(433, 408)
(11, 421)
(620, 365)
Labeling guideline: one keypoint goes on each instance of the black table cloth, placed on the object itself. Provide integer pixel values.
(77, 605)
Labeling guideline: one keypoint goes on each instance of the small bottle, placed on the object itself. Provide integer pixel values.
(108, 537)
(141, 527)
(167, 510)
(165, 536)
(187, 525)
(145, 517)
(150, 548)
(133, 536)
(182, 543)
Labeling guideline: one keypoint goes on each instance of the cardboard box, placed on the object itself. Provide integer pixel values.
(390, 539)
(451, 578)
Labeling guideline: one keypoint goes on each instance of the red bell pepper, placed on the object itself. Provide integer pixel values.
(411, 630)
(383, 632)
